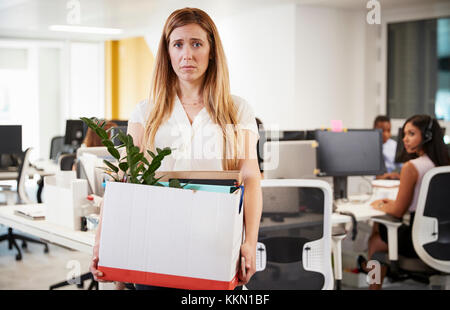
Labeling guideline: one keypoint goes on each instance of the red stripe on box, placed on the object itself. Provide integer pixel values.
(164, 280)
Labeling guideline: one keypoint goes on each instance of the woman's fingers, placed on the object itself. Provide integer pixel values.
(95, 272)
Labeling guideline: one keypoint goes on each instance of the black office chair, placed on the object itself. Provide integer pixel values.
(66, 161)
(56, 147)
(22, 197)
(430, 232)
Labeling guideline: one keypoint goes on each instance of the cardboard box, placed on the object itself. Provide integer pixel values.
(212, 175)
(170, 237)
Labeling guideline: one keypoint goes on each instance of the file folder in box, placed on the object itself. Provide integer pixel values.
(170, 237)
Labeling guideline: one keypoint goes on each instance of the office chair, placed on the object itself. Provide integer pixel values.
(296, 261)
(66, 161)
(430, 232)
(23, 198)
(56, 147)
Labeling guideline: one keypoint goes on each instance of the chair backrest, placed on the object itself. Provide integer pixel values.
(298, 255)
(56, 147)
(66, 161)
(23, 175)
(431, 227)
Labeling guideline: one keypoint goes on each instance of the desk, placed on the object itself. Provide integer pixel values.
(77, 240)
(41, 167)
(45, 167)
(362, 211)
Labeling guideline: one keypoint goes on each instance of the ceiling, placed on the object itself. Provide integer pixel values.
(31, 18)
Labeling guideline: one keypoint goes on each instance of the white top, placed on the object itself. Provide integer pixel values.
(422, 164)
(194, 147)
(389, 148)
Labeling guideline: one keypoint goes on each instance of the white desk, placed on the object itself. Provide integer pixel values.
(43, 168)
(77, 240)
(362, 211)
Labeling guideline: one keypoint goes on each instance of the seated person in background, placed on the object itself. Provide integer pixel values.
(92, 139)
(424, 142)
(389, 146)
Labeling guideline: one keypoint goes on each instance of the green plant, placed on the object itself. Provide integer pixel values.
(133, 167)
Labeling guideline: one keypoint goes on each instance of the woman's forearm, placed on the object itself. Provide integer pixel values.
(252, 208)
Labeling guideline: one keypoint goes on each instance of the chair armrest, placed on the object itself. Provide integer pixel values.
(392, 223)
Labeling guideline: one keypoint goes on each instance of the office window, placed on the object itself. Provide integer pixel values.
(18, 93)
(419, 69)
(43, 83)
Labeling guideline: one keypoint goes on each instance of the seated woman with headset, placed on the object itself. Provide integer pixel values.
(425, 148)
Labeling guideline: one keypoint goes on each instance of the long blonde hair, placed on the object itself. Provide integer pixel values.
(216, 86)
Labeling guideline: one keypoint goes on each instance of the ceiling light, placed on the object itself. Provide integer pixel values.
(84, 29)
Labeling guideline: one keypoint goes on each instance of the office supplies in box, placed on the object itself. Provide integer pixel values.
(170, 237)
(64, 195)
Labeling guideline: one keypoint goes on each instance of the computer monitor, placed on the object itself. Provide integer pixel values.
(11, 139)
(310, 135)
(89, 163)
(292, 135)
(285, 135)
(114, 131)
(350, 153)
(296, 159)
(120, 122)
(74, 132)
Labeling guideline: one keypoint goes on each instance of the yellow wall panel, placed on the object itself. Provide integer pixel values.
(128, 69)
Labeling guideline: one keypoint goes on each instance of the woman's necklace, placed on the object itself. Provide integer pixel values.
(192, 104)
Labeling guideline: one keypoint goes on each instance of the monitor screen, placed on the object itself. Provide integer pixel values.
(74, 132)
(351, 153)
(292, 135)
(114, 131)
(120, 122)
(11, 138)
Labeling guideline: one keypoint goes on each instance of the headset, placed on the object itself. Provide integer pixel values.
(428, 133)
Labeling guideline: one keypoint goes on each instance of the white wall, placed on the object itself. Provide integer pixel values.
(329, 78)
(260, 49)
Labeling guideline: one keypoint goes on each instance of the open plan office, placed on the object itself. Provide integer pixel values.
(257, 145)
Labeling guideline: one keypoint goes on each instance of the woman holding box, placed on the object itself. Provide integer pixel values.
(192, 111)
(423, 141)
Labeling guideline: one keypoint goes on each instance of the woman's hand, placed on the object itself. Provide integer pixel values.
(381, 204)
(94, 265)
(248, 262)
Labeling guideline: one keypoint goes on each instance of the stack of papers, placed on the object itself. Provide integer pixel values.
(386, 183)
(32, 212)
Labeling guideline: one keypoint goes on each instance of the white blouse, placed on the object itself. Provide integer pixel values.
(194, 147)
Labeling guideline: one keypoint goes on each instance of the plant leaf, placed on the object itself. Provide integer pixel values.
(114, 152)
(151, 153)
(107, 143)
(123, 166)
(111, 166)
(174, 183)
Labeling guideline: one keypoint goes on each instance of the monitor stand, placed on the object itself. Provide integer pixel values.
(340, 187)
